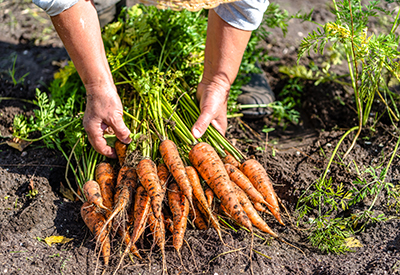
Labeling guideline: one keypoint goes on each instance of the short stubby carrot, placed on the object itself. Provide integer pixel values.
(95, 221)
(260, 179)
(147, 174)
(230, 159)
(243, 182)
(92, 192)
(179, 206)
(120, 150)
(197, 216)
(168, 222)
(252, 213)
(175, 165)
(212, 170)
(105, 177)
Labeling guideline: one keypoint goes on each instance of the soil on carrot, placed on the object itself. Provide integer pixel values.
(293, 157)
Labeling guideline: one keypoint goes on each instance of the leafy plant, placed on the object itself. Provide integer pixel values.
(370, 58)
(12, 73)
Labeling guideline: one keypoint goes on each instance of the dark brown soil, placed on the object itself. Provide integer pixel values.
(296, 164)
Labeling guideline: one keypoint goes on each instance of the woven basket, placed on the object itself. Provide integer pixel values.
(190, 5)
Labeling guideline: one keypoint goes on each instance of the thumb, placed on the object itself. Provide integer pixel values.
(121, 131)
(200, 127)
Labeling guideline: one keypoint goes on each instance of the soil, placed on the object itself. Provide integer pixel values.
(295, 162)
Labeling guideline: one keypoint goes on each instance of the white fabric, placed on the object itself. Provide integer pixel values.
(54, 7)
(245, 15)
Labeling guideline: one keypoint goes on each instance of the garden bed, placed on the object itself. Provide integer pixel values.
(295, 157)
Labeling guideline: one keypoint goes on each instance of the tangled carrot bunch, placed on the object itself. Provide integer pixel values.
(125, 201)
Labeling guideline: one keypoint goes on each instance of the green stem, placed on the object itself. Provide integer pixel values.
(395, 24)
(52, 132)
(336, 149)
(19, 99)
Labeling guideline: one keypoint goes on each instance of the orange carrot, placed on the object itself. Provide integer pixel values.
(212, 170)
(147, 174)
(95, 221)
(168, 223)
(201, 198)
(175, 165)
(255, 219)
(91, 189)
(259, 207)
(179, 206)
(141, 208)
(163, 175)
(230, 159)
(158, 230)
(124, 233)
(126, 182)
(210, 197)
(197, 216)
(105, 177)
(259, 178)
(120, 149)
(243, 182)
(141, 211)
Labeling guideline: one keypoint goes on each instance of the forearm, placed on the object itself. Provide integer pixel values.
(79, 29)
(225, 46)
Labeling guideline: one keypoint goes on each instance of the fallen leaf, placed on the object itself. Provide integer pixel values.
(57, 239)
(66, 192)
(353, 242)
(18, 144)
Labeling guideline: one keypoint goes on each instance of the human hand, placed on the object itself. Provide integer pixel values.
(213, 99)
(103, 109)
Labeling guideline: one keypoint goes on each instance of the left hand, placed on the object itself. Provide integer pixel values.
(213, 99)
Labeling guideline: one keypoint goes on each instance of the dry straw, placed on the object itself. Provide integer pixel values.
(190, 5)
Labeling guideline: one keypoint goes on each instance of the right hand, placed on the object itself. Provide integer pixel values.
(104, 109)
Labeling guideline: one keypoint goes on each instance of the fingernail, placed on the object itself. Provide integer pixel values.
(196, 133)
(127, 140)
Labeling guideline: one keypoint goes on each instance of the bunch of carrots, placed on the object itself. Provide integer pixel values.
(200, 180)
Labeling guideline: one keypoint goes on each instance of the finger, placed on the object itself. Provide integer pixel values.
(220, 125)
(200, 126)
(121, 131)
(96, 139)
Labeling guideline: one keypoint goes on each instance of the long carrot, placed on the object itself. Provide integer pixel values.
(124, 233)
(243, 182)
(158, 229)
(259, 178)
(163, 175)
(212, 170)
(175, 165)
(105, 177)
(120, 149)
(259, 207)
(94, 220)
(92, 192)
(252, 213)
(201, 198)
(126, 182)
(179, 206)
(141, 211)
(147, 174)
